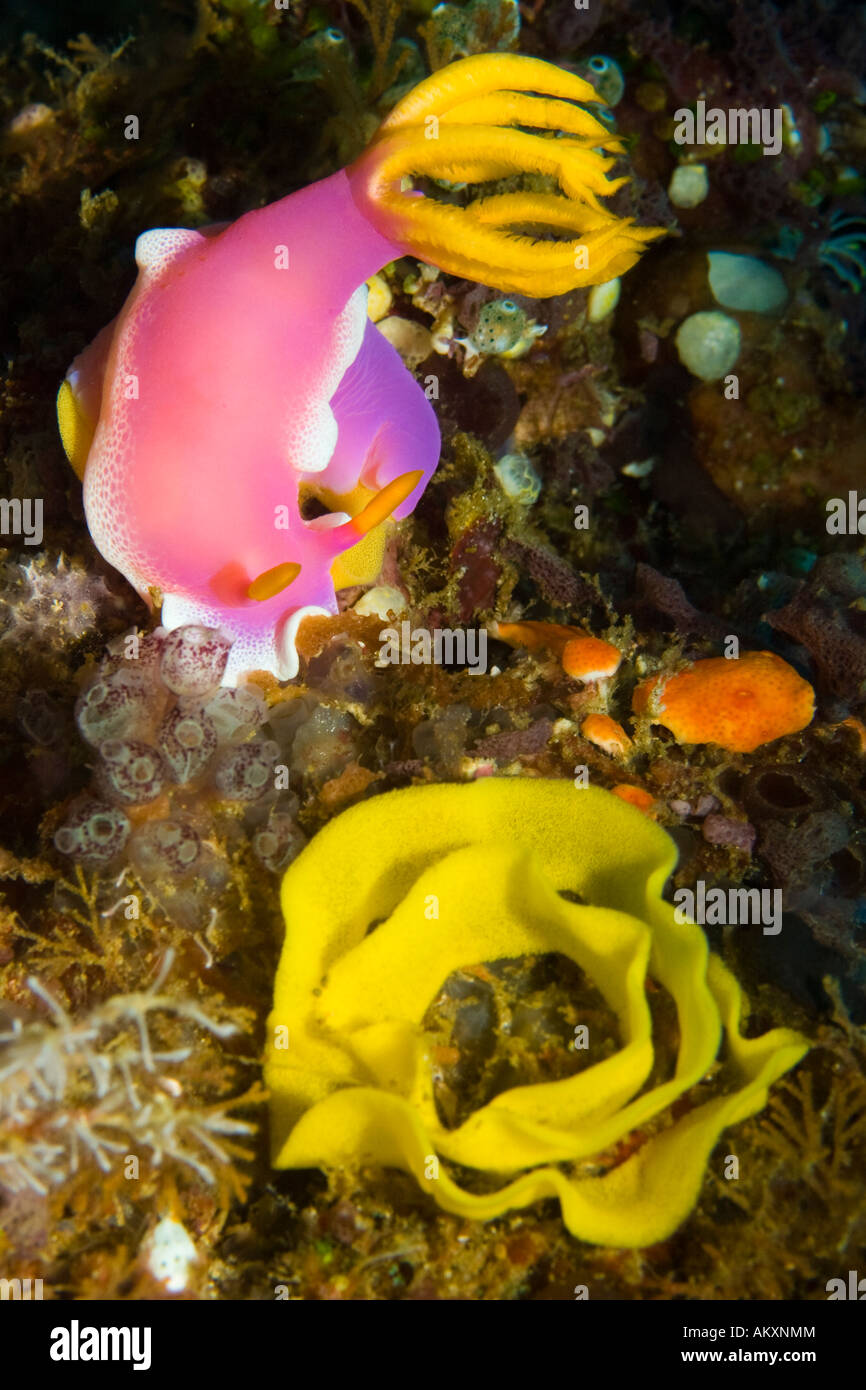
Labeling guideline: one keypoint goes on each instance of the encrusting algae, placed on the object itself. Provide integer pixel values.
(398, 892)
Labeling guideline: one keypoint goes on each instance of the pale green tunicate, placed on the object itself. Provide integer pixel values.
(518, 478)
(689, 185)
(606, 77)
(708, 344)
(744, 282)
(500, 327)
(503, 330)
(603, 299)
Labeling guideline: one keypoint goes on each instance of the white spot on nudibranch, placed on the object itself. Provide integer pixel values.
(311, 434)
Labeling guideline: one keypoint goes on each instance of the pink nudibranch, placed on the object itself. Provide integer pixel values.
(242, 375)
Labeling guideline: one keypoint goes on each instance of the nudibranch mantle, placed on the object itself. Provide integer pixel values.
(242, 380)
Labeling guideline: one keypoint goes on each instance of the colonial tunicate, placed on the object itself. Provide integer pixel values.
(244, 773)
(236, 713)
(93, 832)
(279, 841)
(130, 770)
(709, 344)
(518, 478)
(194, 659)
(744, 282)
(187, 741)
(116, 704)
(603, 299)
(689, 185)
(165, 847)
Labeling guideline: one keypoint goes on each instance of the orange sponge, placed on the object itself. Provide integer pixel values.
(737, 704)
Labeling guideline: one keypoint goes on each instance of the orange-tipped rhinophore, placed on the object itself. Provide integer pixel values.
(386, 501)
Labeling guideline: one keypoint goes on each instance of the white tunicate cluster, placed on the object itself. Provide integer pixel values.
(116, 704)
(245, 773)
(130, 770)
(93, 833)
(187, 741)
(40, 717)
(382, 601)
(236, 713)
(168, 736)
(279, 841)
(167, 847)
(193, 660)
(324, 744)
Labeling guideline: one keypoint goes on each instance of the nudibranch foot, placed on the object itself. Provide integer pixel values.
(268, 646)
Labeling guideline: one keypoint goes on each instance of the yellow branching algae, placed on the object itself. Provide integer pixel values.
(454, 875)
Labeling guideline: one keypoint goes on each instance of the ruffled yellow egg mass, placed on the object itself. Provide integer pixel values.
(349, 1063)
